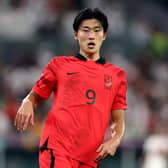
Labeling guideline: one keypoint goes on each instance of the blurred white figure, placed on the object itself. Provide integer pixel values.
(4, 132)
(156, 149)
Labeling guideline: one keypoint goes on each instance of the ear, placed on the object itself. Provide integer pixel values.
(105, 35)
(76, 35)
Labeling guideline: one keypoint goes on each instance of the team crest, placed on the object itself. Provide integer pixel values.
(107, 81)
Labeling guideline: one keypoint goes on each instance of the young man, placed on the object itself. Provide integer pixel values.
(87, 91)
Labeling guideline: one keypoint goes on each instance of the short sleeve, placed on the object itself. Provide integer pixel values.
(120, 98)
(47, 82)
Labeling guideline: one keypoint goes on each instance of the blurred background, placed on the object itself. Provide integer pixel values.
(34, 31)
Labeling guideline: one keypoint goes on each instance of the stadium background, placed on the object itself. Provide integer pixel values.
(33, 31)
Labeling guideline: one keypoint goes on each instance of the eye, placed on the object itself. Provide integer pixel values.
(97, 30)
(85, 30)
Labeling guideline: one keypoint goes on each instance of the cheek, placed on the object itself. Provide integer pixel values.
(102, 35)
(100, 41)
(82, 43)
(81, 37)
(82, 40)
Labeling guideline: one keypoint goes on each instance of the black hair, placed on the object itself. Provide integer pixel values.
(88, 13)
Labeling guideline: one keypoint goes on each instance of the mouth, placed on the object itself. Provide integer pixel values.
(91, 44)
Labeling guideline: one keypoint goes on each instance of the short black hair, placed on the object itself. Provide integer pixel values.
(88, 13)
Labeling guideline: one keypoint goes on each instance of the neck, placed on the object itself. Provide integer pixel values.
(90, 56)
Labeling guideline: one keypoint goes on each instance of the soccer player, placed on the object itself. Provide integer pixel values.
(88, 91)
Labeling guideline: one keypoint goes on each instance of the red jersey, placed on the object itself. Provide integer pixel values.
(85, 92)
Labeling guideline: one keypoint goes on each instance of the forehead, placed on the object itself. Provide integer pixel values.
(90, 23)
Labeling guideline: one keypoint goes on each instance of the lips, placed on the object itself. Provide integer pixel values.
(91, 44)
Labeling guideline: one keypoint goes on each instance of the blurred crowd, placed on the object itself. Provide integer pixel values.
(34, 31)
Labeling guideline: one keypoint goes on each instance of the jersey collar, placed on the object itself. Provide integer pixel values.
(81, 57)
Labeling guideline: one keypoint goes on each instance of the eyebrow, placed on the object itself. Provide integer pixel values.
(87, 27)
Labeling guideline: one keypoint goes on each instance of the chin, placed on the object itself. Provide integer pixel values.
(91, 51)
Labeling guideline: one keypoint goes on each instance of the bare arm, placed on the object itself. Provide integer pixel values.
(25, 114)
(118, 127)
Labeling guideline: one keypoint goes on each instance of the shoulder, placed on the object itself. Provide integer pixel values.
(60, 60)
(115, 69)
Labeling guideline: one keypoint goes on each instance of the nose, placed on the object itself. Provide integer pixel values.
(91, 35)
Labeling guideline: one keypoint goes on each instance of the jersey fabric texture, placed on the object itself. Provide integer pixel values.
(85, 92)
(49, 159)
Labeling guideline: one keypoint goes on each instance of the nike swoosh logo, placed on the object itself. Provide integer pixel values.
(71, 73)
